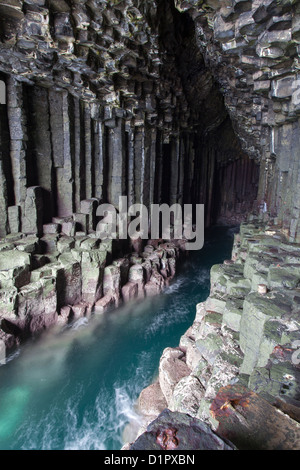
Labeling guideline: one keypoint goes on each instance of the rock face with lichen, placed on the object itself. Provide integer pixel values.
(240, 337)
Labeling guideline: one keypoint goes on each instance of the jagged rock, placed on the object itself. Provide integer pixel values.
(112, 282)
(216, 304)
(69, 228)
(89, 208)
(14, 268)
(65, 244)
(8, 302)
(281, 379)
(193, 355)
(136, 276)
(69, 282)
(92, 269)
(209, 347)
(81, 223)
(29, 244)
(257, 310)
(248, 340)
(284, 275)
(78, 310)
(179, 432)
(106, 303)
(233, 313)
(37, 306)
(65, 315)
(51, 228)
(155, 284)
(172, 369)
(124, 265)
(187, 396)
(49, 243)
(151, 400)
(129, 291)
(250, 422)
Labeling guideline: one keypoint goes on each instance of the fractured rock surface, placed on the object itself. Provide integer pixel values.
(177, 431)
(55, 282)
(242, 340)
(97, 106)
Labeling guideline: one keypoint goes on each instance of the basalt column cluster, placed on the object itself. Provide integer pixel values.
(100, 102)
(237, 367)
(252, 50)
(166, 101)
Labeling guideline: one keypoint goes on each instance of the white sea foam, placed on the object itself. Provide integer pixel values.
(166, 318)
(77, 420)
(106, 420)
(175, 286)
(81, 322)
(90, 434)
(202, 276)
(13, 355)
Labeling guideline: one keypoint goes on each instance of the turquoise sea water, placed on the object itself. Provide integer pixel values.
(76, 390)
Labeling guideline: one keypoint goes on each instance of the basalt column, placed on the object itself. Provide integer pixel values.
(252, 50)
(207, 164)
(109, 100)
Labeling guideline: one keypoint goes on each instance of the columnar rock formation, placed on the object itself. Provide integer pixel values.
(156, 100)
(166, 101)
(113, 98)
(246, 334)
(60, 278)
(98, 101)
(252, 50)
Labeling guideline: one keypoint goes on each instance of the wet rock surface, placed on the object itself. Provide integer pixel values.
(176, 431)
(54, 279)
(251, 423)
(243, 338)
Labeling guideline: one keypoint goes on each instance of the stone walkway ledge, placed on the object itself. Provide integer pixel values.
(243, 335)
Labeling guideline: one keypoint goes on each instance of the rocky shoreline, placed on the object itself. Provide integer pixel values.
(60, 273)
(245, 334)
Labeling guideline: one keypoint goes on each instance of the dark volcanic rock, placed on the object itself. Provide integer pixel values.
(177, 431)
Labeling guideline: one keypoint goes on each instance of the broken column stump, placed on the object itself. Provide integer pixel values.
(251, 423)
(32, 222)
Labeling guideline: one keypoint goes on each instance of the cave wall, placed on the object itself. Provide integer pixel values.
(185, 101)
(113, 98)
(252, 49)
